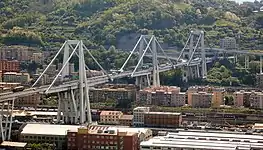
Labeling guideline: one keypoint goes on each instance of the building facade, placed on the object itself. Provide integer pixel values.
(238, 98)
(37, 57)
(20, 53)
(259, 80)
(161, 96)
(9, 66)
(218, 94)
(47, 133)
(126, 120)
(32, 100)
(110, 117)
(256, 100)
(201, 100)
(14, 77)
(138, 116)
(102, 137)
(228, 43)
(162, 119)
(120, 93)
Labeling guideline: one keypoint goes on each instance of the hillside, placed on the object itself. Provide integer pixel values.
(47, 23)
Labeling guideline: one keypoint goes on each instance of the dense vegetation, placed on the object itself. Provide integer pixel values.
(47, 23)
(106, 23)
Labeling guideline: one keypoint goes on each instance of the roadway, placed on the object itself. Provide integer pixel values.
(91, 81)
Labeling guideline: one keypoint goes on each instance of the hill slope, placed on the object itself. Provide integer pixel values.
(47, 23)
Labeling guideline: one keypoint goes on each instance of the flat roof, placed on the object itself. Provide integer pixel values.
(13, 144)
(177, 142)
(218, 135)
(126, 117)
(48, 129)
(164, 113)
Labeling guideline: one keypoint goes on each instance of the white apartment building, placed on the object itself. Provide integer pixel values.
(138, 115)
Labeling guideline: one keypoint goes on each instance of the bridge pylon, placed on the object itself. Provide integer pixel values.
(195, 42)
(6, 119)
(147, 43)
(73, 104)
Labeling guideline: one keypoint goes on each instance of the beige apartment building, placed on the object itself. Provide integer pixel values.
(201, 100)
(110, 117)
(242, 98)
(37, 57)
(162, 96)
(256, 100)
(217, 92)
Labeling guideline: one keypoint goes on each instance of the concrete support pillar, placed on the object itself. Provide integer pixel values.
(156, 77)
(191, 45)
(198, 71)
(65, 71)
(143, 82)
(203, 53)
(261, 65)
(185, 74)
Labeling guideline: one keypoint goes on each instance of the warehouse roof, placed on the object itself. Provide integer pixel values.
(48, 129)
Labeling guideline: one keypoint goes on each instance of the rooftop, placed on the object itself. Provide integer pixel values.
(113, 130)
(206, 141)
(48, 129)
(164, 113)
(126, 117)
(110, 112)
(13, 144)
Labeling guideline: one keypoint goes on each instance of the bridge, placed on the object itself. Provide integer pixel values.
(74, 95)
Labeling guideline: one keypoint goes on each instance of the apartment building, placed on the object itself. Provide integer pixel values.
(110, 117)
(71, 67)
(9, 66)
(242, 98)
(217, 92)
(15, 77)
(20, 53)
(31, 100)
(47, 133)
(126, 120)
(162, 119)
(256, 100)
(37, 57)
(259, 80)
(138, 115)
(119, 92)
(52, 70)
(162, 96)
(228, 43)
(103, 137)
(201, 100)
